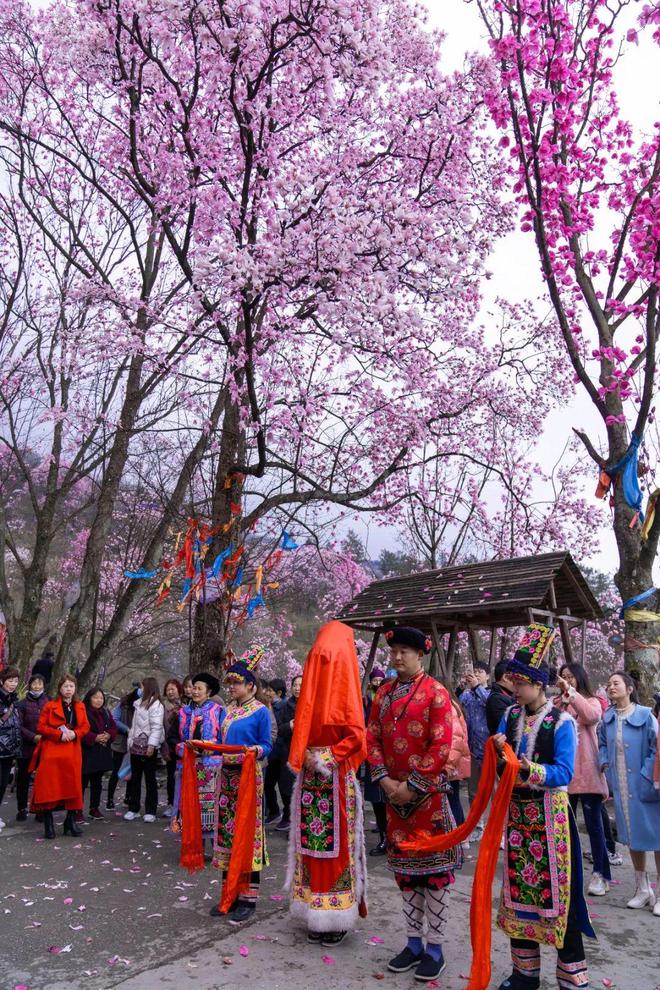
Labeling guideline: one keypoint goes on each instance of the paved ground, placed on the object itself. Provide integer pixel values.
(124, 917)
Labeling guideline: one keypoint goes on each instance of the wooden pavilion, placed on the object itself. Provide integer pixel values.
(470, 598)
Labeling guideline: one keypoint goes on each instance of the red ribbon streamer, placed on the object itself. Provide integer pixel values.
(192, 847)
(482, 886)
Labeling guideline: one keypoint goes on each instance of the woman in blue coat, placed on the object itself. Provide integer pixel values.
(627, 741)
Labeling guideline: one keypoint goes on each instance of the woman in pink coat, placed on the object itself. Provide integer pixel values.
(588, 784)
(458, 764)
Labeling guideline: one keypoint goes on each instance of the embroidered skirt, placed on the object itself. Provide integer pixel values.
(207, 776)
(225, 799)
(431, 816)
(536, 892)
(327, 866)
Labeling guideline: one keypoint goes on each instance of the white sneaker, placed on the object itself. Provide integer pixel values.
(615, 859)
(643, 892)
(149, 818)
(169, 811)
(598, 886)
(2, 823)
(130, 816)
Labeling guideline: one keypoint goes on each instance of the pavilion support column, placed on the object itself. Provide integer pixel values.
(438, 665)
(370, 659)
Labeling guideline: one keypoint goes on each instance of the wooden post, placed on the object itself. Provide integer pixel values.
(370, 660)
(451, 652)
(492, 653)
(441, 673)
(475, 644)
(566, 641)
(583, 643)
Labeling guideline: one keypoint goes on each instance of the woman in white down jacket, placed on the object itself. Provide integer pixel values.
(144, 739)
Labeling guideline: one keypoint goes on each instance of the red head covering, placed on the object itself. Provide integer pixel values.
(330, 694)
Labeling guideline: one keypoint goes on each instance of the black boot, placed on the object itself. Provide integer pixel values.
(70, 827)
(380, 849)
(49, 825)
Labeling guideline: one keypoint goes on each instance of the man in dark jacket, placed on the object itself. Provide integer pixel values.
(44, 666)
(276, 692)
(500, 698)
(285, 720)
(30, 710)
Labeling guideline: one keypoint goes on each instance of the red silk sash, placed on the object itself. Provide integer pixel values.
(482, 886)
(192, 847)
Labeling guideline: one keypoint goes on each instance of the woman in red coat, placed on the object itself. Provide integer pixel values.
(58, 780)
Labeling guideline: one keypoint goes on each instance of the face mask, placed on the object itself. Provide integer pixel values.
(139, 692)
(37, 694)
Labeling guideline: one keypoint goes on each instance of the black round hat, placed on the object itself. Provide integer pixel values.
(407, 636)
(210, 680)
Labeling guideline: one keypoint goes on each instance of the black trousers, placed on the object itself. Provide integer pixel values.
(6, 763)
(117, 760)
(22, 783)
(143, 766)
(380, 813)
(454, 798)
(171, 771)
(95, 781)
(270, 786)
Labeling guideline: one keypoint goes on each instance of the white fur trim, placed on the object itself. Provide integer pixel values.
(325, 921)
(294, 829)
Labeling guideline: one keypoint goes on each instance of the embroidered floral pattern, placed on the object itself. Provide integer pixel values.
(318, 831)
(536, 890)
(228, 780)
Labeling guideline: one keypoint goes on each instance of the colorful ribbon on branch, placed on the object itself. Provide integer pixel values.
(482, 886)
(237, 881)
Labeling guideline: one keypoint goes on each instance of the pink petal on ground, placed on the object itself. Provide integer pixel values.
(68, 900)
(20, 986)
(244, 951)
(76, 928)
(183, 898)
(608, 983)
(277, 897)
(375, 940)
(596, 917)
(328, 960)
(261, 938)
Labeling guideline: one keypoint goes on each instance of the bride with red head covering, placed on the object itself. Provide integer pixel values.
(327, 870)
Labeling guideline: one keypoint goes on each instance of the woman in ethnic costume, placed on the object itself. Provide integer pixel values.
(246, 723)
(327, 869)
(408, 744)
(201, 720)
(542, 901)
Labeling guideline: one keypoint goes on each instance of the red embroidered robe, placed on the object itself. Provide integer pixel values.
(409, 738)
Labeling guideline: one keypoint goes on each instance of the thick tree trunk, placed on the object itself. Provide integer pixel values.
(211, 624)
(79, 620)
(635, 575)
(137, 590)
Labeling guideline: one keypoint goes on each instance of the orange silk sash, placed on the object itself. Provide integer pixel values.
(482, 886)
(192, 847)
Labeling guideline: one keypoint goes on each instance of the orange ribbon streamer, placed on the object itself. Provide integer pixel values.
(192, 848)
(482, 886)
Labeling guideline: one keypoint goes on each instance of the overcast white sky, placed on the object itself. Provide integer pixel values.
(514, 261)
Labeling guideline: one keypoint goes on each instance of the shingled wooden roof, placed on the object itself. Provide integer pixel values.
(497, 593)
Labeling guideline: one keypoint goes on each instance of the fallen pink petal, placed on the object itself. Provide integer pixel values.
(328, 960)
(244, 951)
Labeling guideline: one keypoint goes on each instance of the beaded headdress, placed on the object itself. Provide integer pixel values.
(529, 661)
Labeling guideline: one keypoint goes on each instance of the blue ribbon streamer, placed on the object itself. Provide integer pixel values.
(288, 542)
(627, 467)
(135, 575)
(636, 600)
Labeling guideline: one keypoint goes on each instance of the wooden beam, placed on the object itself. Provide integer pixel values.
(553, 596)
(583, 643)
(475, 644)
(370, 660)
